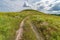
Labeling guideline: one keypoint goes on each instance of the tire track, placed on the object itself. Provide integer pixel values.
(35, 31)
(20, 31)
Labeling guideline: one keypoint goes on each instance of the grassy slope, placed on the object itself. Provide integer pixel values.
(47, 25)
(9, 24)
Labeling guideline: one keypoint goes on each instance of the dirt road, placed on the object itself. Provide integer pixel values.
(19, 32)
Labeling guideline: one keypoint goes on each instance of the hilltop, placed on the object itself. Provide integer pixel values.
(37, 26)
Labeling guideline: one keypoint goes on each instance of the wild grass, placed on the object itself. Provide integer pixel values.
(47, 25)
(28, 33)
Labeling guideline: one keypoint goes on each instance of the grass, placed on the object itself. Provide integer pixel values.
(47, 25)
(28, 33)
(8, 26)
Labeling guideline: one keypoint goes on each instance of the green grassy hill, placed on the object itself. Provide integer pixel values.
(48, 26)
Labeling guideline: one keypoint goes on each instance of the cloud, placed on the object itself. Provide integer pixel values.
(43, 4)
(48, 6)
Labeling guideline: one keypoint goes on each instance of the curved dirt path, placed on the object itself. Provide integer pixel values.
(20, 31)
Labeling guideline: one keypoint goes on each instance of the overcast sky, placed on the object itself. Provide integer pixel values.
(48, 6)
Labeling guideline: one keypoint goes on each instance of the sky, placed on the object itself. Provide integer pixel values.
(47, 6)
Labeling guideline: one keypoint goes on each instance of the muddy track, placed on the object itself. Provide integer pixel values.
(19, 32)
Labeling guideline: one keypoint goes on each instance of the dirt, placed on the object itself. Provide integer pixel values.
(19, 32)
